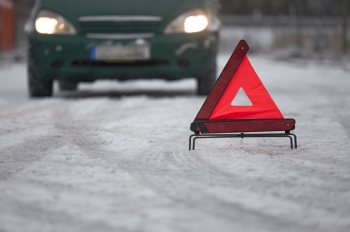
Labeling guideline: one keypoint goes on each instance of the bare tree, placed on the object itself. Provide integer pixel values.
(300, 22)
(345, 15)
(276, 6)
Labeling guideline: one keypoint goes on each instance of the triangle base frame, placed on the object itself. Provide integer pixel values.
(287, 134)
(243, 129)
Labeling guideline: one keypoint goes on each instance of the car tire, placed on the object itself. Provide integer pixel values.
(38, 87)
(67, 85)
(206, 82)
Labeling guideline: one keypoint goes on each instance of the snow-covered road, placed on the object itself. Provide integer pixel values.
(114, 157)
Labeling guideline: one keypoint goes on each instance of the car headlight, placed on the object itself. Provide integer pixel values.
(49, 22)
(188, 22)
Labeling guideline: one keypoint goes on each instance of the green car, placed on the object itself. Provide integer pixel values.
(74, 41)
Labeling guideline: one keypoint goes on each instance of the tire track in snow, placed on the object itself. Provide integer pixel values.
(18, 157)
(193, 165)
(167, 184)
(164, 185)
(29, 138)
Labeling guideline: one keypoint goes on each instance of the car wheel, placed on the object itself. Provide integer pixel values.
(67, 85)
(206, 82)
(38, 87)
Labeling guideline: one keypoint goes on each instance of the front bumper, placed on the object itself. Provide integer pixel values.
(172, 57)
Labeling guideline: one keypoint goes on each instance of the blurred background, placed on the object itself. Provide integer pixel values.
(311, 29)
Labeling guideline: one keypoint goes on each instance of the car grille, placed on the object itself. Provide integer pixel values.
(119, 27)
(97, 63)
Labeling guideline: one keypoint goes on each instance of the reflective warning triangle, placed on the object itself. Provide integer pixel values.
(222, 117)
(262, 104)
(238, 73)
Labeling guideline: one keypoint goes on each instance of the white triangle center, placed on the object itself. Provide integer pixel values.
(241, 99)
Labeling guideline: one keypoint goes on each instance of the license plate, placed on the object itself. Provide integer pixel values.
(120, 52)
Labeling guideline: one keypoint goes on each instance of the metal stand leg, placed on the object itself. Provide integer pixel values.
(295, 140)
(190, 141)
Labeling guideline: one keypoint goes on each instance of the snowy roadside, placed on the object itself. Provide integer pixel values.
(113, 157)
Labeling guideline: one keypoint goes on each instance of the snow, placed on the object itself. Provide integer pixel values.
(114, 157)
(241, 99)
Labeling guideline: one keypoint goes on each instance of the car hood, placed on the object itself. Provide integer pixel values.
(77, 8)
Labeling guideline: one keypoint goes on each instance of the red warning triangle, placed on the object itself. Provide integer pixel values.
(263, 107)
(238, 73)
(221, 116)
